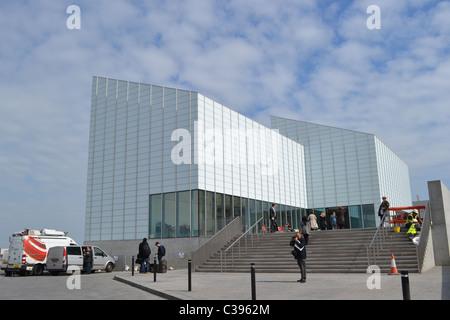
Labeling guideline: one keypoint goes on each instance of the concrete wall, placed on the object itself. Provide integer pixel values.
(425, 250)
(178, 251)
(440, 221)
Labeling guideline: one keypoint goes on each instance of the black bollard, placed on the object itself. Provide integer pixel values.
(252, 269)
(155, 270)
(132, 265)
(405, 285)
(189, 275)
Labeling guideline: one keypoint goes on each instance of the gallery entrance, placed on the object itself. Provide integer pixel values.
(329, 212)
(355, 216)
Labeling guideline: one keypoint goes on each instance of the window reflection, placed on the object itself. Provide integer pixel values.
(195, 213)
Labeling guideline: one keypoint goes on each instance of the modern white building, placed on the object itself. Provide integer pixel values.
(167, 164)
(349, 169)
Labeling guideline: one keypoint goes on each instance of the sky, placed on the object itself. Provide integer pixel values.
(315, 61)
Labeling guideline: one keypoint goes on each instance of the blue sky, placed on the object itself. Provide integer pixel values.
(308, 60)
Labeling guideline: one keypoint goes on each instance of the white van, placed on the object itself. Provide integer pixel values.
(5, 254)
(28, 249)
(61, 259)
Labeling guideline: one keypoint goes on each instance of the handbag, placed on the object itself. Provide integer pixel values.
(138, 259)
(295, 254)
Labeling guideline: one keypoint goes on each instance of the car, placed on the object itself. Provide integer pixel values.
(69, 258)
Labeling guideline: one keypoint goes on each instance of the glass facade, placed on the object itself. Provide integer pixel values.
(204, 213)
(170, 163)
(348, 168)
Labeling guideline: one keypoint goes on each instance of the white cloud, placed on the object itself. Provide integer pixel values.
(307, 60)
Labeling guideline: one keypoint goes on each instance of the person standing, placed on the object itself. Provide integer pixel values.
(340, 214)
(305, 229)
(84, 259)
(162, 264)
(313, 221)
(273, 218)
(333, 221)
(298, 242)
(383, 210)
(161, 251)
(88, 260)
(144, 256)
(323, 221)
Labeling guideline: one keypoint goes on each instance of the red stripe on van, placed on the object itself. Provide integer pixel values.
(38, 243)
(34, 252)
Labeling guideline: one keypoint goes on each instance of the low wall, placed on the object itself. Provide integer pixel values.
(425, 250)
(178, 250)
(440, 221)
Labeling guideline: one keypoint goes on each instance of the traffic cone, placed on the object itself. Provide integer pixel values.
(393, 266)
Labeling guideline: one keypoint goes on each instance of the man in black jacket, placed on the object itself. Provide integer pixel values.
(383, 210)
(144, 256)
(273, 218)
(299, 244)
(162, 264)
(161, 251)
(88, 260)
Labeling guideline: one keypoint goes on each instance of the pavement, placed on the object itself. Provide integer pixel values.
(433, 284)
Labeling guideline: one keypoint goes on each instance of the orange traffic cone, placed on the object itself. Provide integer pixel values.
(393, 266)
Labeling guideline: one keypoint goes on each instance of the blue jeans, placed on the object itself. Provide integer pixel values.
(88, 267)
(145, 265)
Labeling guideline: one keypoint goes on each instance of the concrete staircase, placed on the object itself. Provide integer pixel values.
(331, 251)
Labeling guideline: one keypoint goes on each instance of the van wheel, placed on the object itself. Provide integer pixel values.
(109, 267)
(37, 270)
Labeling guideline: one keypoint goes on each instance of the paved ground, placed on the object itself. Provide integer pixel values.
(98, 286)
(431, 285)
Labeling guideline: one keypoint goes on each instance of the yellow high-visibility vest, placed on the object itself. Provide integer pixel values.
(412, 229)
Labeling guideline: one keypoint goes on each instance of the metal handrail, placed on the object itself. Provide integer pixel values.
(216, 242)
(377, 243)
(245, 234)
(376, 232)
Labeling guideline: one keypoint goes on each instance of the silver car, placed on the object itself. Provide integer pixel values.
(62, 259)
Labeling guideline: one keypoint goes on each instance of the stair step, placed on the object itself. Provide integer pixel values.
(330, 251)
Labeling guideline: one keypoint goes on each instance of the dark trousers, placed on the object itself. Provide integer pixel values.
(306, 236)
(273, 226)
(88, 267)
(302, 264)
